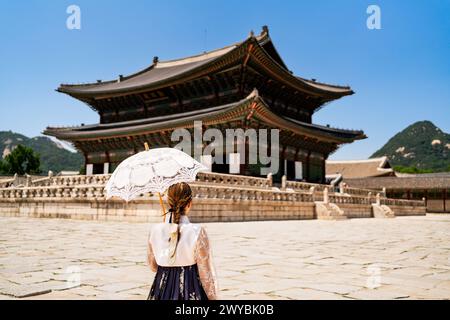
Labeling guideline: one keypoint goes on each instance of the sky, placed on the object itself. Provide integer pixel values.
(400, 73)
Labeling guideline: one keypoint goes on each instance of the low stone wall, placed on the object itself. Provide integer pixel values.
(147, 209)
(405, 210)
(437, 205)
(405, 207)
(210, 210)
(84, 209)
(357, 210)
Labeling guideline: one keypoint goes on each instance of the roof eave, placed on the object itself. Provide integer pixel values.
(71, 134)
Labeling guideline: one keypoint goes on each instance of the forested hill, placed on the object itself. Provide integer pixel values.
(421, 145)
(53, 155)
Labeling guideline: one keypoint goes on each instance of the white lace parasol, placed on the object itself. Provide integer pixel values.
(152, 170)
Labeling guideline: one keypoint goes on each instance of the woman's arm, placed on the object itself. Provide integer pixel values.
(151, 257)
(205, 265)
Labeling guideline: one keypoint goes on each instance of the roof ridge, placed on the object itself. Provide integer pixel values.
(356, 160)
(157, 63)
(314, 81)
(157, 74)
(327, 127)
(264, 36)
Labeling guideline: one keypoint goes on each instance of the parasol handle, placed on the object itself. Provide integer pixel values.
(159, 194)
(162, 205)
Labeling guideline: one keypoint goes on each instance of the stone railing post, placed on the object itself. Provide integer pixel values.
(312, 191)
(341, 188)
(283, 182)
(326, 199)
(378, 199)
(28, 180)
(269, 179)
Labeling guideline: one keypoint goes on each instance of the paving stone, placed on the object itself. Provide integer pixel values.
(23, 291)
(118, 287)
(253, 260)
(308, 294)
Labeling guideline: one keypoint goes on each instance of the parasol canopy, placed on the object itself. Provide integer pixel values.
(152, 170)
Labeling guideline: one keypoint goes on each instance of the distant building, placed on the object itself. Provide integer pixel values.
(349, 169)
(378, 174)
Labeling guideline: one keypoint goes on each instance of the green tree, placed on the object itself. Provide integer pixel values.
(21, 160)
(403, 169)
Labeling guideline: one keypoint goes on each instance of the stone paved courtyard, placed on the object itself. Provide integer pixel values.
(405, 257)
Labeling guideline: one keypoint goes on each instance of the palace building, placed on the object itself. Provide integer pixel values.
(244, 85)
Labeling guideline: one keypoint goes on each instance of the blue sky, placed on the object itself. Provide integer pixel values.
(401, 73)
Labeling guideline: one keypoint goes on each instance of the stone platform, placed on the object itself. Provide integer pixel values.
(400, 258)
(217, 198)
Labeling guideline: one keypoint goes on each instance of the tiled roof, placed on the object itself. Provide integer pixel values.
(405, 183)
(163, 72)
(360, 168)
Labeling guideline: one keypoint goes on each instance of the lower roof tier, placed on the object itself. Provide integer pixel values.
(249, 111)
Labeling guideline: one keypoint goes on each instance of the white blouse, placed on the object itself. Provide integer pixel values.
(192, 248)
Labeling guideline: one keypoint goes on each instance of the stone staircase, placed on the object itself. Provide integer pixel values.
(325, 210)
(382, 211)
(329, 211)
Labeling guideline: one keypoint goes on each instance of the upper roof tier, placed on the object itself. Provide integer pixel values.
(165, 73)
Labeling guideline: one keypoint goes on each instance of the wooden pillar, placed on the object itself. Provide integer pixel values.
(444, 198)
(85, 160)
(323, 170)
(244, 166)
(307, 171)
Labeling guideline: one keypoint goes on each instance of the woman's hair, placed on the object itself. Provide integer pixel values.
(179, 196)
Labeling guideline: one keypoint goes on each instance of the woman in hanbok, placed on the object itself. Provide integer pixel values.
(179, 252)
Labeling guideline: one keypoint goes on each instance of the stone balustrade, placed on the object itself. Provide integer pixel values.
(345, 199)
(233, 180)
(202, 177)
(203, 192)
(402, 202)
(98, 179)
(223, 192)
(5, 183)
(68, 192)
(360, 192)
(306, 186)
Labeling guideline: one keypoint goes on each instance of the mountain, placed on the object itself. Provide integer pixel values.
(54, 156)
(421, 145)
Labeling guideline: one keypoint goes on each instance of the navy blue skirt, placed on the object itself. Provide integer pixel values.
(177, 283)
